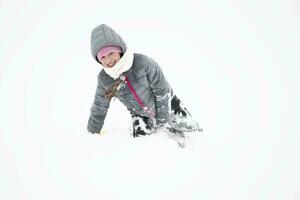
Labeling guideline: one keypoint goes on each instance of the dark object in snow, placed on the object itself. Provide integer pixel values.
(141, 126)
(181, 122)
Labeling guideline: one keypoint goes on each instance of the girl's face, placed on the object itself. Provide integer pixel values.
(110, 59)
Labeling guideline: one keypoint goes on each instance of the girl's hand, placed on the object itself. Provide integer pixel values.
(102, 132)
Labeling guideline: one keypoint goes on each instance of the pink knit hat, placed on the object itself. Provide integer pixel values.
(107, 50)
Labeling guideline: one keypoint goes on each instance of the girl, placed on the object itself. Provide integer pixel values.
(139, 83)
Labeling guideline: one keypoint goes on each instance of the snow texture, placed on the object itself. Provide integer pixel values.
(234, 64)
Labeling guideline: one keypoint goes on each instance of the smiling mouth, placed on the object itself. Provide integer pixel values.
(111, 65)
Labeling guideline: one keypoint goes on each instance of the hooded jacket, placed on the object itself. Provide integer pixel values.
(145, 76)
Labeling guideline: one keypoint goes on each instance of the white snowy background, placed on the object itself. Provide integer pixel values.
(234, 64)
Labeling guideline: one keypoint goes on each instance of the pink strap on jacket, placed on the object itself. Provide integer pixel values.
(150, 112)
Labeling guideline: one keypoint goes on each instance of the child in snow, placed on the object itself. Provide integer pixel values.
(139, 83)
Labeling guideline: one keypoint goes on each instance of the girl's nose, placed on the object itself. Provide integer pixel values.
(106, 59)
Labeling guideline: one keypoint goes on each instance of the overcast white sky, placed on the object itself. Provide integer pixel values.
(234, 64)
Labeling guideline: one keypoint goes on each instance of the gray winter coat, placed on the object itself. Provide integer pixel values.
(145, 76)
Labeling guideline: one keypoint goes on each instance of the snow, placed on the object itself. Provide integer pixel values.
(234, 65)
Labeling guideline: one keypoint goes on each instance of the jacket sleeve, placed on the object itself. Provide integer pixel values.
(98, 109)
(161, 90)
